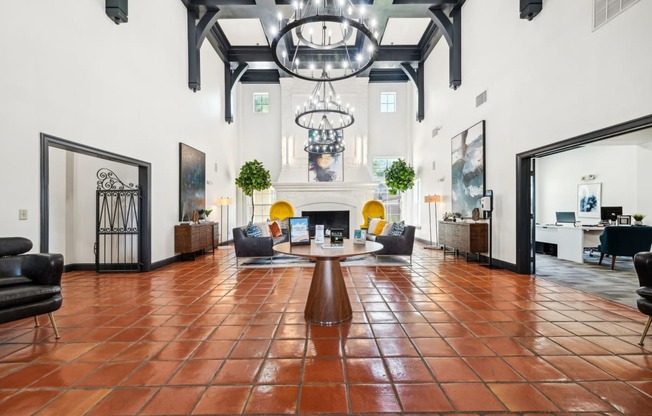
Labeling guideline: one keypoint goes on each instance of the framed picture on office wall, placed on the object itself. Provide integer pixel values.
(588, 200)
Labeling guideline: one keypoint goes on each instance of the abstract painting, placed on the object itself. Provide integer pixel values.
(588, 200)
(324, 167)
(192, 180)
(467, 171)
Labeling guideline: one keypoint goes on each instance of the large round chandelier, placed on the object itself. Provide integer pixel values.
(325, 36)
(325, 142)
(324, 109)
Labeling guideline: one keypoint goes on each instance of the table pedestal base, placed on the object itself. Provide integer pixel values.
(328, 301)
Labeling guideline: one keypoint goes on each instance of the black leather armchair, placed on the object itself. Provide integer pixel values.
(30, 284)
(254, 246)
(396, 245)
(643, 266)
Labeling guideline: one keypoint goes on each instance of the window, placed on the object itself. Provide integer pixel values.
(379, 165)
(263, 200)
(392, 202)
(387, 102)
(261, 102)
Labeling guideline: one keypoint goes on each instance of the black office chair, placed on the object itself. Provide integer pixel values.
(643, 265)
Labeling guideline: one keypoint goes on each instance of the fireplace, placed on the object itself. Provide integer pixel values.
(330, 219)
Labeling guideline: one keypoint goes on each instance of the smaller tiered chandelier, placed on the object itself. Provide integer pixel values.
(325, 142)
(323, 110)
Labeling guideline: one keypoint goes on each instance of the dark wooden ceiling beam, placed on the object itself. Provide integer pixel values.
(387, 75)
(451, 31)
(417, 76)
(197, 32)
(230, 79)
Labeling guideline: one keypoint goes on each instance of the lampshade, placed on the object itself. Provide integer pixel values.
(432, 198)
(224, 201)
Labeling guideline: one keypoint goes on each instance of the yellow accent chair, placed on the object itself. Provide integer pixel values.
(281, 210)
(373, 209)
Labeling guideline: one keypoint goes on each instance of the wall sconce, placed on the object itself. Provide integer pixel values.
(588, 178)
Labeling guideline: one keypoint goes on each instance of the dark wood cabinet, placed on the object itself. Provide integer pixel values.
(190, 239)
(464, 236)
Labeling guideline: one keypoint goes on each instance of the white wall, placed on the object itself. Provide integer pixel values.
(266, 137)
(389, 132)
(260, 134)
(644, 176)
(74, 74)
(615, 168)
(547, 80)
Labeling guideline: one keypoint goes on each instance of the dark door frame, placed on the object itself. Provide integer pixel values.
(524, 233)
(144, 183)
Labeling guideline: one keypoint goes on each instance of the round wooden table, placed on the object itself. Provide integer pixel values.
(328, 302)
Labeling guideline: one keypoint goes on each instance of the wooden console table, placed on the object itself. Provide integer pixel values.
(189, 239)
(464, 236)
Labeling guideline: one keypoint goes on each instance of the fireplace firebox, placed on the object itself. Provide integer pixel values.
(330, 219)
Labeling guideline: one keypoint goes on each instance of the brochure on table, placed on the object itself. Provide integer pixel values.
(319, 234)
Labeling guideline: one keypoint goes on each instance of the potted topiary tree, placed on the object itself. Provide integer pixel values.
(399, 177)
(253, 177)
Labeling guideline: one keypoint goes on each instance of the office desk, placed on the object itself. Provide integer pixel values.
(570, 241)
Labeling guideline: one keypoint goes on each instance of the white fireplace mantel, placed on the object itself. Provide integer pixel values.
(327, 196)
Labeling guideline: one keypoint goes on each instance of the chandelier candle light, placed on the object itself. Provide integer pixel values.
(325, 39)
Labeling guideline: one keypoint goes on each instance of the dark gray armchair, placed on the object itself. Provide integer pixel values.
(254, 246)
(30, 284)
(396, 245)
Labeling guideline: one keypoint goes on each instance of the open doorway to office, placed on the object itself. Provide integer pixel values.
(612, 163)
(50, 145)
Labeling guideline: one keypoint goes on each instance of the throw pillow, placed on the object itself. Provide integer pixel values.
(397, 228)
(379, 227)
(264, 228)
(253, 231)
(371, 225)
(275, 229)
(284, 224)
(387, 228)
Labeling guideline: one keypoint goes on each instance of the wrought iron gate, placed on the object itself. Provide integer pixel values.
(117, 224)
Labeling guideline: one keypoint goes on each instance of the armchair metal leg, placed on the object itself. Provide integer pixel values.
(36, 324)
(647, 326)
(54, 325)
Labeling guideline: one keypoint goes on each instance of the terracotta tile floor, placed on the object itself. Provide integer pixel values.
(442, 337)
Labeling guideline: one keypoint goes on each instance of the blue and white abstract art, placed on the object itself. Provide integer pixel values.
(467, 171)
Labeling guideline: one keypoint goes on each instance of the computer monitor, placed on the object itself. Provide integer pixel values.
(565, 217)
(610, 213)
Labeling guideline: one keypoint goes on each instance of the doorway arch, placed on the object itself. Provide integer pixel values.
(525, 192)
(144, 182)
